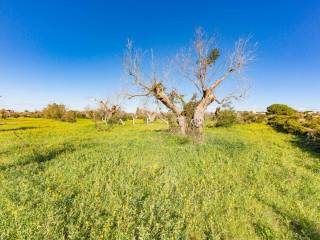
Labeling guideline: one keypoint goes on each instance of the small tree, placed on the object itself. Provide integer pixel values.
(70, 116)
(150, 116)
(226, 118)
(3, 113)
(281, 109)
(198, 66)
(107, 111)
(54, 111)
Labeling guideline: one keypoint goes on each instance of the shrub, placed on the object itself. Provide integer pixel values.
(80, 114)
(69, 116)
(188, 109)
(126, 116)
(3, 114)
(313, 140)
(225, 118)
(287, 124)
(59, 112)
(260, 117)
(115, 119)
(280, 109)
(35, 114)
(89, 113)
(172, 121)
(54, 111)
(295, 127)
(251, 117)
(313, 122)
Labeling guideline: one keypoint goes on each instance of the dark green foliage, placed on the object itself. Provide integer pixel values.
(304, 125)
(313, 122)
(287, 124)
(226, 118)
(280, 109)
(313, 140)
(285, 119)
(116, 118)
(81, 114)
(295, 127)
(189, 107)
(213, 56)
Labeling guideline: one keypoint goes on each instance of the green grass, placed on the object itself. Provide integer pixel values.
(63, 180)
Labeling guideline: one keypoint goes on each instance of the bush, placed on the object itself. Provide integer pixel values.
(54, 111)
(313, 122)
(295, 127)
(3, 114)
(251, 117)
(115, 119)
(188, 109)
(172, 121)
(313, 140)
(287, 124)
(90, 114)
(126, 116)
(226, 118)
(305, 125)
(35, 114)
(59, 112)
(69, 116)
(280, 109)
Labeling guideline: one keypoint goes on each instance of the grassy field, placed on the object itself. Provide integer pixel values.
(68, 181)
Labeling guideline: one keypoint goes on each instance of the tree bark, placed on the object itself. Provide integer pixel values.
(182, 124)
(198, 115)
(163, 98)
(198, 120)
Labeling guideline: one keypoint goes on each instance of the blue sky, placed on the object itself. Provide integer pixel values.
(70, 51)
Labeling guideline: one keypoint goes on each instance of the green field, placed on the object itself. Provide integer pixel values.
(68, 181)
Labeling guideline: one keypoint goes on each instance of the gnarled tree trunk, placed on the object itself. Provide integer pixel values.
(198, 115)
(163, 98)
(198, 120)
(182, 124)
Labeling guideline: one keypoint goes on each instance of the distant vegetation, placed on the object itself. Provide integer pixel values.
(225, 118)
(305, 125)
(59, 112)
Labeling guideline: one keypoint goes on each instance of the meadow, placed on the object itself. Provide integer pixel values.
(62, 180)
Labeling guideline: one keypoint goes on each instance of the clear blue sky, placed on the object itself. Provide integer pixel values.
(70, 51)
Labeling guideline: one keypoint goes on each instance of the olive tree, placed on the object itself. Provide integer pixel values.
(196, 64)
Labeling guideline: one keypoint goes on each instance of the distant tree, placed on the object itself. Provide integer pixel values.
(69, 116)
(226, 118)
(198, 66)
(107, 111)
(150, 116)
(280, 109)
(3, 113)
(54, 111)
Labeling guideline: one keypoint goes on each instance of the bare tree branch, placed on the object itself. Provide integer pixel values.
(198, 67)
